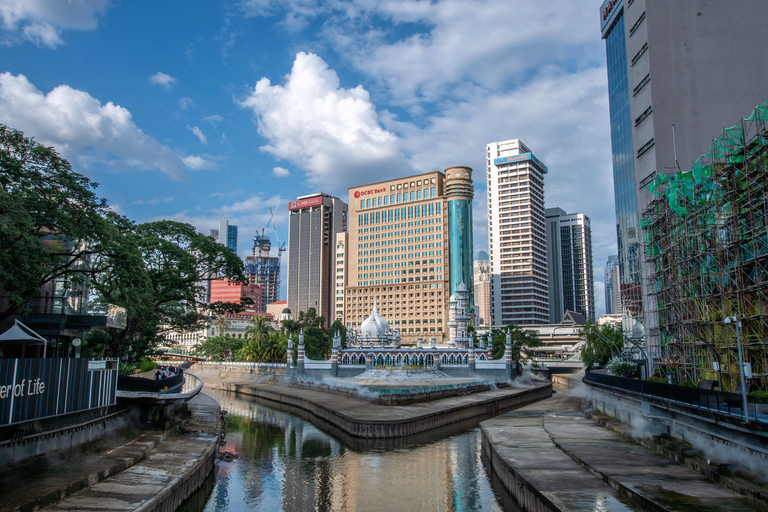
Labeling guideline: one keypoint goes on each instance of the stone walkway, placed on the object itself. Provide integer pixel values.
(575, 465)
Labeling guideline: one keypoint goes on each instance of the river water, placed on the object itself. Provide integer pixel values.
(283, 462)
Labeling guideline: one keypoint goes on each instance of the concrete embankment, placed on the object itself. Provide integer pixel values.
(361, 418)
(153, 473)
(552, 458)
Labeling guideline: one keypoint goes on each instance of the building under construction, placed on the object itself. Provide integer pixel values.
(706, 238)
(264, 270)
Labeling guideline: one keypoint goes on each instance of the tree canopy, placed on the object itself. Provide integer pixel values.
(600, 343)
(523, 342)
(52, 223)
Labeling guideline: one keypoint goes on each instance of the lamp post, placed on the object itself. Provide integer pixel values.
(733, 319)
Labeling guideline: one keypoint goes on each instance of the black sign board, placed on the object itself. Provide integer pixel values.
(32, 389)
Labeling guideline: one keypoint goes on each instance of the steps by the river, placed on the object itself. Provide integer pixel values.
(553, 458)
(135, 470)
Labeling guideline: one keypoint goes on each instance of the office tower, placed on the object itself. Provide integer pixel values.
(517, 234)
(313, 223)
(616, 290)
(264, 270)
(224, 291)
(613, 262)
(398, 254)
(678, 72)
(569, 256)
(341, 276)
(226, 234)
(482, 277)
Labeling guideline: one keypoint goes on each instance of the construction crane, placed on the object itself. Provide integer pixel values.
(280, 247)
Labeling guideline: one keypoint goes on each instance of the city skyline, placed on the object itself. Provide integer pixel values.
(175, 126)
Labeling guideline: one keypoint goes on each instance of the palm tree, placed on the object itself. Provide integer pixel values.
(257, 339)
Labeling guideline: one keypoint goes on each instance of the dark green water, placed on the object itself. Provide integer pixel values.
(286, 463)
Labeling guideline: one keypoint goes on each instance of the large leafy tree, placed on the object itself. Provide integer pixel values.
(600, 342)
(163, 289)
(220, 348)
(52, 223)
(523, 342)
(317, 342)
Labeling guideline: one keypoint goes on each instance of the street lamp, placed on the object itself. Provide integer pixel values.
(733, 319)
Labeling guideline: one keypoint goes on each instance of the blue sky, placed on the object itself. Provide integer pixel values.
(199, 111)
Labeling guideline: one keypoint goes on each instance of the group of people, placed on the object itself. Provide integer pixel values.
(165, 372)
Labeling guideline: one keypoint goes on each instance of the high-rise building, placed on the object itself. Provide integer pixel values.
(616, 289)
(224, 291)
(459, 192)
(517, 234)
(398, 253)
(613, 262)
(226, 234)
(678, 72)
(341, 276)
(264, 270)
(482, 277)
(313, 223)
(569, 256)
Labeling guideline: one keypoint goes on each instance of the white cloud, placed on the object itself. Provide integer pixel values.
(85, 131)
(197, 163)
(198, 133)
(330, 131)
(280, 172)
(185, 103)
(213, 119)
(160, 79)
(42, 21)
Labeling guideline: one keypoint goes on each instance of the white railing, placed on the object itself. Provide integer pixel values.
(490, 365)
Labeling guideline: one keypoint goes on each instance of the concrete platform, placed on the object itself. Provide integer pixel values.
(551, 457)
(361, 418)
(142, 471)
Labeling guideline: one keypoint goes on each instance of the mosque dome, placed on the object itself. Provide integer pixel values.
(462, 287)
(286, 311)
(375, 326)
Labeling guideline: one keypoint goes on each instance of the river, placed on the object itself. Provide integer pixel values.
(284, 462)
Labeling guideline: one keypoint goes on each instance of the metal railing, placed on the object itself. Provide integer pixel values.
(726, 403)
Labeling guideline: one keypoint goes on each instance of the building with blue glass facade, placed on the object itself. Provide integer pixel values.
(459, 192)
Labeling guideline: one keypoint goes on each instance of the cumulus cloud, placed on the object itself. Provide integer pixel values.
(330, 131)
(85, 131)
(160, 79)
(42, 21)
(185, 103)
(280, 172)
(198, 133)
(197, 163)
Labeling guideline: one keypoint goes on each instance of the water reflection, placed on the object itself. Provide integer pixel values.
(287, 463)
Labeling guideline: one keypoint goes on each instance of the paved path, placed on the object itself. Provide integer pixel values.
(145, 485)
(576, 465)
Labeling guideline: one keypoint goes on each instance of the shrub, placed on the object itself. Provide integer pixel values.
(758, 396)
(688, 383)
(660, 380)
(147, 365)
(621, 368)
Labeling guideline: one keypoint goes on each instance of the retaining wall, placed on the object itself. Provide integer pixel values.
(396, 427)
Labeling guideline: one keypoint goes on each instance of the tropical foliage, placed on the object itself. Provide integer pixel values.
(523, 342)
(600, 343)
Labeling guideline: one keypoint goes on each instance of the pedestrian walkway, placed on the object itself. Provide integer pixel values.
(570, 463)
(126, 471)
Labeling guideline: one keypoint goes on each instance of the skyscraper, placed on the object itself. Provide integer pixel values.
(517, 234)
(678, 72)
(482, 277)
(313, 223)
(613, 262)
(399, 255)
(226, 234)
(569, 256)
(263, 270)
(459, 192)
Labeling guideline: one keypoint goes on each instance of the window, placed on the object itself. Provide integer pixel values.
(639, 53)
(637, 24)
(641, 84)
(648, 145)
(644, 115)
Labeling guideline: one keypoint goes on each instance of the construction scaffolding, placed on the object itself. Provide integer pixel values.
(706, 237)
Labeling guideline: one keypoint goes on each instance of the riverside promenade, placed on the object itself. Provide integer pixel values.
(134, 471)
(551, 457)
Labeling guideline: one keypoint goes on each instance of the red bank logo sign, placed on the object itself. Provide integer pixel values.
(369, 192)
(609, 7)
(305, 203)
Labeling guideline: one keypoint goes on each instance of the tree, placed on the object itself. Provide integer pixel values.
(165, 291)
(600, 343)
(317, 343)
(523, 342)
(257, 342)
(52, 224)
(220, 348)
